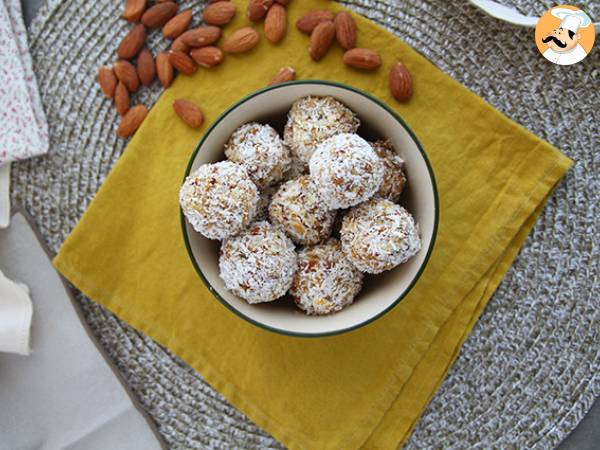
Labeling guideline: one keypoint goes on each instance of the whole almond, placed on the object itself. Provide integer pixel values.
(177, 24)
(132, 120)
(159, 14)
(179, 45)
(164, 69)
(311, 19)
(107, 81)
(345, 30)
(257, 9)
(182, 62)
(132, 43)
(401, 85)
(207, 56)
(282, 2)
(320, 40)
(121, 99)
(362, 58)
(201, 36)
(189, 112)
(220, 13)
(241, 40)
(126, 73)
(133, 10)
(146, 69)
(276, 23)
(284, 74)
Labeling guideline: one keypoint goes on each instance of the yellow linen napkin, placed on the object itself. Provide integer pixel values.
(366, 388)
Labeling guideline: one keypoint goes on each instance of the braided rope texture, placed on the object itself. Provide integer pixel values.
(529, 371)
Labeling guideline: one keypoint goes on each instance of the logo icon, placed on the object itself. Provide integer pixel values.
(565, 35)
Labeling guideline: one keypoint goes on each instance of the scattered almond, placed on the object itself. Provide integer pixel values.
(146, 69)
(362, 58)
(282, 2)
(345, 30)
(257, 9)
(401, 85)
(320, 40)
(126, 73)
(133, 10)
(132, 120)
(241, 40)
(159, 14)
(201, 36)
(284, 74)
(276, 23)
(164, 69)
(177, 25)
(121, 99)
(107, 81)
(220, 13)
(188, 112)
(179, 45)
(182, 62)
(311, 19)
(132, 43)
(207, 56)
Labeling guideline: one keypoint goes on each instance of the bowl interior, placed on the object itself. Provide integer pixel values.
(380, 292)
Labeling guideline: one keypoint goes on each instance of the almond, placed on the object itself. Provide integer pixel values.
(362, 58)
(219, 13)
(146, 69)
(320, 39)
(401, 85)
(241, 40)
(164, 69)
(179, 45)
(188, 112)
(345, 30)
(177, 24)
(132, 120)
(276, 23)
(121, 99)
(133, 10)
(201, 36)
(132, 43)
(107, 81)
(182, 62)
(207, 56)
(284, 74)
(257, 9)
(159, 14)
(311, 19)
(282, 2)
(126, 73)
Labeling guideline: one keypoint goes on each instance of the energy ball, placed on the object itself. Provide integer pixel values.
(219, 200)
(394, 178)
(260, 150)
(297, 208)
(258, 264)
(346, 170)
(326, 281)
(311, 120)
(378, 235)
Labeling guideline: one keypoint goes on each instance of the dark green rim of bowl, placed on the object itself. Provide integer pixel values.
(429, 250)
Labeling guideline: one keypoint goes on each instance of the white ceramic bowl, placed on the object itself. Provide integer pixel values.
(381, 292)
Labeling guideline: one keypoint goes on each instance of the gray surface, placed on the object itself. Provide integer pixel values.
(529, 371)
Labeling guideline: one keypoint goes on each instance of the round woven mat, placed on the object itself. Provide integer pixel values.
(528, 372)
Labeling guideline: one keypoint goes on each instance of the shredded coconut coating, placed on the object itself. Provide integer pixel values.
(219, 200)
(258, 264)
(394, 177)
(297, 208)
(346, 170)
(378, 235)
(260, 150)
(311, 120)
(326, 282)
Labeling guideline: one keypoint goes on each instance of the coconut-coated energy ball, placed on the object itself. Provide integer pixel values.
(378, 235)
(260, 150)
(311, 120)
(258, 264)
(297, 208)
(394, 178)
(325, 281)
(219, 200)
(346, 170)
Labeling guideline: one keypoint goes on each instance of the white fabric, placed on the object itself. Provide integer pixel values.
(566, 58)
(15, 316)
(4, 195)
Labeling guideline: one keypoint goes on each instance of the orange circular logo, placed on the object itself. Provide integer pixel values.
(565, 35)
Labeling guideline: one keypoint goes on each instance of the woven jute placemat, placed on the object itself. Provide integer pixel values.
(530, 369)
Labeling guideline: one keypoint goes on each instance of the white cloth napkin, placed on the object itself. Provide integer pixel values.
(15, 316)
